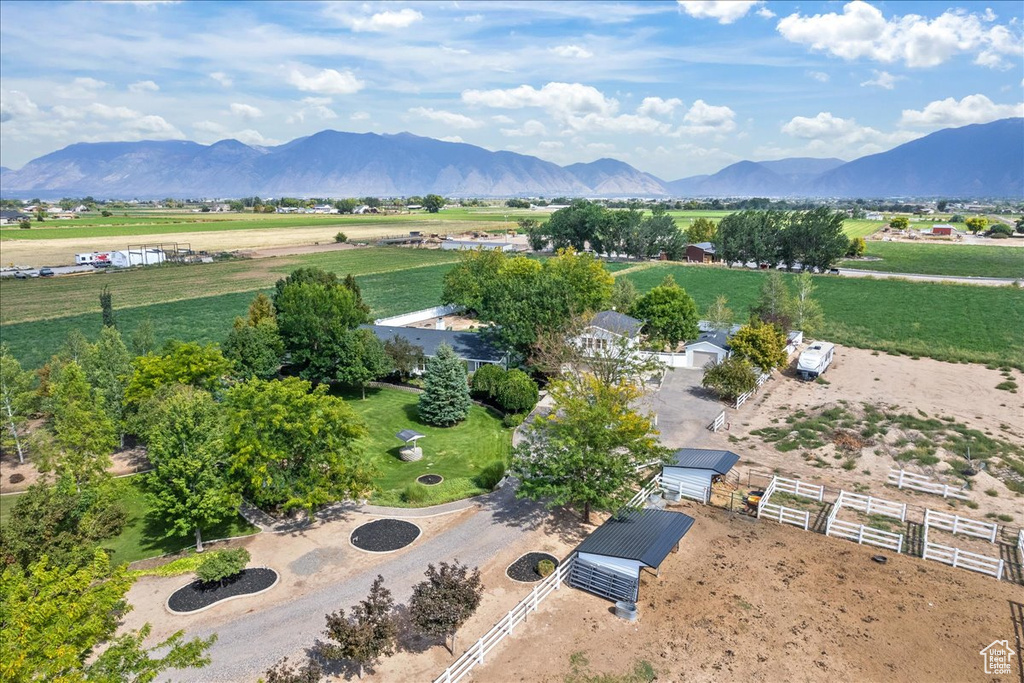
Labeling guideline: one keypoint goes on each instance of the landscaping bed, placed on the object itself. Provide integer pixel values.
(384, 535)
(525, 568)
(198, 595)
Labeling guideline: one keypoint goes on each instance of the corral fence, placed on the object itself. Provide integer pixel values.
(1020, 544)
(955, 557)
(474, 656)
(744, 397)
(782, 513)
(682, 489)
(718, 422)
(902, 479)
(955, 524)
(861, 533)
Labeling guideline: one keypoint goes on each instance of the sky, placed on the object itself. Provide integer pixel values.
(673, 88)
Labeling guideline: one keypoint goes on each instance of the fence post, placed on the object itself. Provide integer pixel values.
(899, 545)
(956, 556)
(860, 535)
(956, 522)
(509, 622)
(480, 647)
(899, 484)
(999, 571)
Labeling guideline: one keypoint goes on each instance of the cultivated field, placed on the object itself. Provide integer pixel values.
(941, 259)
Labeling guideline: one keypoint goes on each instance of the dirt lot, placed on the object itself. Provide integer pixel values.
(124, 462)
(747, 600)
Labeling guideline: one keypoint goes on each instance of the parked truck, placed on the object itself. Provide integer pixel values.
(815, 359)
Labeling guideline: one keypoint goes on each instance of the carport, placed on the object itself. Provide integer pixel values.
(691, 471)
(609, 561)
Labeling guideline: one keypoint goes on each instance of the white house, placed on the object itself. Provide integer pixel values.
(606, 328)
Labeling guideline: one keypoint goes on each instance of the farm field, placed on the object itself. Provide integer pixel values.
(941, 259)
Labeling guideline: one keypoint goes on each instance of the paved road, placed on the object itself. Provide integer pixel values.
(248, 646)
(684, 408)
(988, 281)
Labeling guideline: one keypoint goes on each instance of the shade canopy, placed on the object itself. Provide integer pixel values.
(409, 435)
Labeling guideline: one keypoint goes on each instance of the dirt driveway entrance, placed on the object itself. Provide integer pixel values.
(684, 408)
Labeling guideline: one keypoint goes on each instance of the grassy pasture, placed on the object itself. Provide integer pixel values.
(943, 259)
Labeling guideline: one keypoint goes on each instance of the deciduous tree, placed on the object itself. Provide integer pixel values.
(200, 366)
(701, 230)
(108, 366)
(360, 359)
(805, 311)
(255, 350)
(16, 398)
(516, 392)
(669, 314)
(433, 203)
(730, 377)
(369, 633)
(446, 600)
(719, 315)
(405, 356)
(445, 399)
(107, 307)
(143, 340)
(774, 304)
(976, 224)
(762, 344)
(899, 223)
(624, 295)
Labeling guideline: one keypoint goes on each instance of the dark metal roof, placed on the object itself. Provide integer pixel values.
(617, 323)
(704, 459)
(647, 536)
(408, 435)
(716, 337)
(705, 246)
(467, 345)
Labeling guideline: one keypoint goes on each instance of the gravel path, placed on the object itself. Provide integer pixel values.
(967, 280)
(287, 629)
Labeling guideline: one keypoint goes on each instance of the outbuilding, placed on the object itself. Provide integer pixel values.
(701, 252)
(709, 347)
(609, 561)
(691, 471)
(943, 230)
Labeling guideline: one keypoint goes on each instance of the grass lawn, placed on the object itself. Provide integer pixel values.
(456, 453)
(142, 536)
(943, 259)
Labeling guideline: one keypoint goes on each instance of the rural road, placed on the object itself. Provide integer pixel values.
(988, 281)
(248, 646)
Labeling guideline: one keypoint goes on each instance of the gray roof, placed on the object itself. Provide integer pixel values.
(617, 323)
(408, 435)
(643, 535)
(716, 337)
(706, 246)
(467, 345)
(704, 459)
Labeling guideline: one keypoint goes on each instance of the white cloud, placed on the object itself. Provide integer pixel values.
(882, 79)
(765, 12)
(862, 31)
(448, 118)
(143, 86)
(501, 118)
(828, 134)
(222, 78)
(572, 52)
(254, 137)
(550, 145)
(559, 99)
(949, 112)
(473, 18)
(209, 127)
(655, 106)
(725, 11)
(313, 106)
(599, 147)
(81, 89)
(819, 76)
(328, 81)
(452, 138)
(16, 105)
(246, 111)
(704, 118)
(381, 21)
(528, 129)
(134, 124)
(360, 116)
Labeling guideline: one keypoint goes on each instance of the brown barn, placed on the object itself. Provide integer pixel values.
(943, 230)
(702, 252)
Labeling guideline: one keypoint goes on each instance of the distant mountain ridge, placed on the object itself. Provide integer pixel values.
(976, 160)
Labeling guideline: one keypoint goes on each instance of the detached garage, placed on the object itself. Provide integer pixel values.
(608, 563)
(708, 347)
(691, 472)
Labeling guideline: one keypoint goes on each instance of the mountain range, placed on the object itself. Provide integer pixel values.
(976, 160)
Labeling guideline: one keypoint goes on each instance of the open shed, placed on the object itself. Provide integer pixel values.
(609, 561)
(691, 471)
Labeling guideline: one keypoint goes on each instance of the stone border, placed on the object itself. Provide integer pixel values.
(558, 563)
(429, 474)
(385, 552)
(223, 600)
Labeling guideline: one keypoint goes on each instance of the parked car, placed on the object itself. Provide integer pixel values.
(46, 272)
(833, 271)
(21, 275)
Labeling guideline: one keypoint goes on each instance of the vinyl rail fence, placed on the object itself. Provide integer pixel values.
(870, 505)
(902, 479)
(743, 398)
(718, 422)
(800, 488)
(1020, 544)
(983, 564)
(781, 513)
(960, 525)
(860, 533)
(474, 656)
(638, 500)
(684, 489)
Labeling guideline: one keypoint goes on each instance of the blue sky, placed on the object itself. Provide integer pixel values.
(674, 88)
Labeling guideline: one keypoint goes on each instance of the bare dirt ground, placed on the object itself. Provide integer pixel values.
(747, 600)
(965, 392)
(125, 462)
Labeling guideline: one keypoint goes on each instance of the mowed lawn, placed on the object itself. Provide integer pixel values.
(456, 453)
(943, 259)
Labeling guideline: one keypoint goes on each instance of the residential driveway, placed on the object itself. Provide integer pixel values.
(684, 408)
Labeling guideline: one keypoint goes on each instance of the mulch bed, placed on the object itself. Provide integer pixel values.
(198, 595)
(525, 568)
(384, 535)
(430, 479)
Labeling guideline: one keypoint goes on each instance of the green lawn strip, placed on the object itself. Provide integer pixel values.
(943, 259)
(860, 227)
(456, 453)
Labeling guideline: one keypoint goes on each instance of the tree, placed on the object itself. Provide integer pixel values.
(16, 397)
(57, 618)
(719, 315)
(188, 489)
(469, 282)
(142, 340)
(361, 359)
(588, 452)
(976, 224)
(762, 344)
(773, 305)
(261, 309)
(942, 204)
(1019, 225)
(405, 356)
(255, 350)
(346, 205)
(1000, 229)
(223, 565)
(899, 223)
(433, 203)
(283, 672)
(108, 367)
(536, 236)
(805, 311)
(624, 295)
(577, 226)
(486, 380)
(200, 366)
(446, 600)
(107, 306)
(313, 318)
(371, 632)
(858, 245)
(751, 236)
(669, 314)
(730, 377)
(445, 398)
(25, 224)
(516, 392)
(701, 230)
(815, 239)
(291, 446)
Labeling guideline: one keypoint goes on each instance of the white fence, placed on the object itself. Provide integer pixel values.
(742, 398)
(1020, 544)
(718, 422)
(669, 360)
(799, 488)
(781, 513)
(902, 479)
(417, 316)
(699, 493)
(959, 525)
(652, 486)
(872, 506)
(861, 533)
(474, 656)
(962, 559)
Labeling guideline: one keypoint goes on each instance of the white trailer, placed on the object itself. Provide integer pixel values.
(137, 257)
(93, 258)
(815, 359)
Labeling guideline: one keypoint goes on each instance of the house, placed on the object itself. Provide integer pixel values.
(606, 327)
(701, 252)
(609, 561)
(711, 346)
(691, 471)
(471, 347)
(10, 217)
(460, 245)
(324, 208)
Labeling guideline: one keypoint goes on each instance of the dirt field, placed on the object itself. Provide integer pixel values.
(747, 600)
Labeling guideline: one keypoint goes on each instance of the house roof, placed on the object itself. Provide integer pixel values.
(617, 323)
(9, 214)
(646, 536)
(705, 246)
(716, 337)
(704, 459)
(467, 345)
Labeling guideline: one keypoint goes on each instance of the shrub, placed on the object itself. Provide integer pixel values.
(730, 377)
(857, 247)
(223, 565)
(516, 392)
(106, 214)
(991, 492)
(545, 568)
(513, 420)
(486, 380)
(1005, 518)
(17, 478)
(491, 475)
(25, 224)
(414, 493)
(341, 237)
(1001, 229)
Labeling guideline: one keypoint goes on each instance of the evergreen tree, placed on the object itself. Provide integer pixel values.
(445, 399)
(107, 306)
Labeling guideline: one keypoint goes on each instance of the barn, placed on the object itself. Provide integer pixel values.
(708, 347)
(691, 471)
(701, 252)
(942, 230)
(609, 561)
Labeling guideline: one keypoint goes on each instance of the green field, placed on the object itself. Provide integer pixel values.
(942, 259)
(859, 227)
